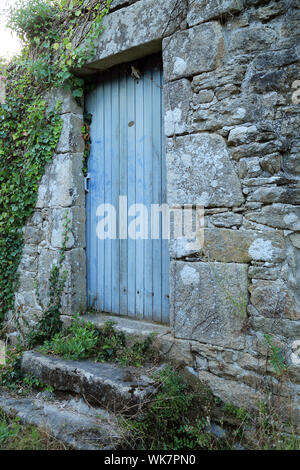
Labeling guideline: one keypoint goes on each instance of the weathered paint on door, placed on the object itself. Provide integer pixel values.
(127, 276)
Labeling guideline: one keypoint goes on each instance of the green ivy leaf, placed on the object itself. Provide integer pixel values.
(78, 92)
(29, 134)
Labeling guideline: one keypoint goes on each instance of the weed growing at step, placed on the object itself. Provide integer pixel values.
(182, 415)
(173, 419)
(82, 340)
(238, 412)
(77, 342)
(269, 433)
(138, 353)
(15, 436)
(262, 429)
(12, 378)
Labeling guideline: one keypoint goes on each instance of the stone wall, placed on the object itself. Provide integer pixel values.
(232, 125)
(232, 146)
(61, 193)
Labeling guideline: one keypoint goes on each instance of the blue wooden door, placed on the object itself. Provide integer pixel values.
(127, 275)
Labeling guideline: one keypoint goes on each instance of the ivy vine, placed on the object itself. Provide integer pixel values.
(59, 37)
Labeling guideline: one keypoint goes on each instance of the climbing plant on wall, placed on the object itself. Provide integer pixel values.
(59, 37)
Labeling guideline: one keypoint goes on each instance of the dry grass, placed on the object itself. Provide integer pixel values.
(17, 436)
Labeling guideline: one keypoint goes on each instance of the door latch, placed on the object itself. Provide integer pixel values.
(86, 179)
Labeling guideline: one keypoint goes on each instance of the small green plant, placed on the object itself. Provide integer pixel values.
(3, 65)
(276, 356)
(239, 412)
(286, 442)
(17, 436)
(82, 340)
(79, 341)
(8, 431)
(11, 376)
(193, 436)
(111, 342)
(172, 419)
(137, 354)
(85, 132)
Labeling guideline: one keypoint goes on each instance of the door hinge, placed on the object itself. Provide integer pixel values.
(86, 179)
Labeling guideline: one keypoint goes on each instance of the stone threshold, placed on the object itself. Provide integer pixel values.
(168, 347)
(129, 326)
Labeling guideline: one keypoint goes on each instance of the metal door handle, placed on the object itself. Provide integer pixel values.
(86, 179)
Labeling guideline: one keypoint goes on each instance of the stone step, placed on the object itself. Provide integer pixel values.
(128, 326)
(121, 390)
(169, 348)
(72, 422)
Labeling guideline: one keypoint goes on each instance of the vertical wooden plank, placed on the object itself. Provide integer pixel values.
(123, 192)
(90, 240)
(107, 188)
(139, 190)
(94, 198)
(156, 198)
(99, 194)
(148, 148)
(115, 144)
(164, 243)
(131, 124)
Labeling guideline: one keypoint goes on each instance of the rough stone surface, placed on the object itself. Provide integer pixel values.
(242, 246)
(252, 39)
(177, 104)
(196, 50)
(68, 104)
(199, 171)
(136, 31)
(203, 10)
(231, 391)
(122, 390)
(283, 216)
(71, 422)
(70, 139)
(127, 326)
(65, 173)
(227, 219)
(295, 239)
(272, 299)
(209, 302)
